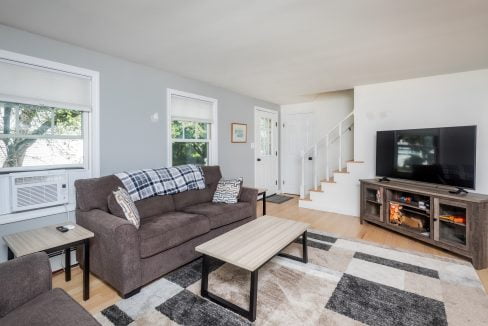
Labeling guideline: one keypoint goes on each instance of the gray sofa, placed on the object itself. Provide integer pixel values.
(171, 227)
(26, 297)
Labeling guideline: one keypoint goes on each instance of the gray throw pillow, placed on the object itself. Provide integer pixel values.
(127, 206)
(227, 191)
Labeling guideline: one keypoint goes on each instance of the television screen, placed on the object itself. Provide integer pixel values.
(444, 156)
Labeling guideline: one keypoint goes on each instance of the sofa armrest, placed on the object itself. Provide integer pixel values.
(115, 249)
(23, 279)
(249, 195)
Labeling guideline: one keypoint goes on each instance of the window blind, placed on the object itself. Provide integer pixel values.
(186, 108)
(22, 83)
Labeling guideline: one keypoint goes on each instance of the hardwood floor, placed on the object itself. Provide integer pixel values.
(103, 295)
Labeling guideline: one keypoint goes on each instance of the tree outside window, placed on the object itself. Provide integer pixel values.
(190, 142)
(32, 135)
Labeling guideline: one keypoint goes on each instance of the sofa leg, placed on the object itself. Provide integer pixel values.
(131, 293)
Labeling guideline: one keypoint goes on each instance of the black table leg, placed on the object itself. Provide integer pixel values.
(67, 264)
(264, 203)
(86, 269)
(305, 250)
(304, 258)
(253, 298)
(205, 269)
(249, 314)
(10, 254)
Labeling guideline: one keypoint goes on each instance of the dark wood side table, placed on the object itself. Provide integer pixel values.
(49, 240)
(262, 191)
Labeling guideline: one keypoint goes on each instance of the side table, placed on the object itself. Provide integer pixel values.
(49, 240)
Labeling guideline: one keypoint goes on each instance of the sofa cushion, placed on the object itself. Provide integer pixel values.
(155, 206)
(221, 214)
(162, 232)
(124, 204)
(147, 207)
(227, 191)
(184, 199)
(54, 308)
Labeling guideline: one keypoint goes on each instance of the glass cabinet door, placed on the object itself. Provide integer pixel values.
(450, 223)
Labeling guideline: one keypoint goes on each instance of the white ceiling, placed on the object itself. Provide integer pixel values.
(283, 51)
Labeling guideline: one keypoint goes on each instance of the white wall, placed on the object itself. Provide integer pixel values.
(327, 110)
(438, 101)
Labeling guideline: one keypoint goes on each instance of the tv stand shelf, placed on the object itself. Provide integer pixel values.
(458, 223)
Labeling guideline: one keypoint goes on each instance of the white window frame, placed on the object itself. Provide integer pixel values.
(213, 142)
(90, 127)
(91, 130)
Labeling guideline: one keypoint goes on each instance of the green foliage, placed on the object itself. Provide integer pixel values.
(190, 152)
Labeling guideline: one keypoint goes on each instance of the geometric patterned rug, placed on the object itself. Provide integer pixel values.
(346, 282)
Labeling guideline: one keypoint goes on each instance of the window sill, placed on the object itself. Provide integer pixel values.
(37, 213)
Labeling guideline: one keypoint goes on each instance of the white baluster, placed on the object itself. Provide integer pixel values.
(315, 168)
(327, 173)
(302, 185)
(340, 146)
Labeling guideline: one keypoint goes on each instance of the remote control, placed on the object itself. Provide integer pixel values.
(62, 229)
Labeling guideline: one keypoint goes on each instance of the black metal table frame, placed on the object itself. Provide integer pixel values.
(67, 260)
(251, 313)
(264, 201)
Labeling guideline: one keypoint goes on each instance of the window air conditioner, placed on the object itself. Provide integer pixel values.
(31, 190)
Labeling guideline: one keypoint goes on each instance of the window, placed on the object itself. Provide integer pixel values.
(266, 131)
(191, 142)
(37, 136)
(192, 129)
(45, 114)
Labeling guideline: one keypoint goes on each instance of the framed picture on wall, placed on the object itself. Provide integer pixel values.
(238, 133)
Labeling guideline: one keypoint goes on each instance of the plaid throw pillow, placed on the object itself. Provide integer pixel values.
(131, 213)
(227, 191)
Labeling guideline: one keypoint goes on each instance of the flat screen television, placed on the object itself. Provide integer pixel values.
(445, 156)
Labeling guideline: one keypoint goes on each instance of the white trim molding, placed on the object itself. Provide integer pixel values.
(214, 146)
(92, 142)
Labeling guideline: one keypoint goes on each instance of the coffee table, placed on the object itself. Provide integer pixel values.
(249, 247)
(48, 239)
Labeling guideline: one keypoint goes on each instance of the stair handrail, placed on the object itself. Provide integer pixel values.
(330, 131)
(314, 148)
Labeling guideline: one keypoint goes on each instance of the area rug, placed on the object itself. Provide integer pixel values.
(278, 199)
(346, 282)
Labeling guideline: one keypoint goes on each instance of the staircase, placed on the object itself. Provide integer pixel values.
(329, 174)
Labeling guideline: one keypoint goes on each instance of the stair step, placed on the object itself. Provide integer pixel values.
(319, 189)
(352, 161)
(341, 171)
(331, 180)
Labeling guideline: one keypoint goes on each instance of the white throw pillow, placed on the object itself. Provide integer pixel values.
(227, 191)
(128, 207)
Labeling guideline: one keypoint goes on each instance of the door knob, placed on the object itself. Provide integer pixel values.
(259, 160)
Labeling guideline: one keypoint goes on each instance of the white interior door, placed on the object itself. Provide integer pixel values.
(266, 150)
(296, 137)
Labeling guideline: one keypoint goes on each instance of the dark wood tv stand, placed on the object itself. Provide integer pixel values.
(458, 223)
